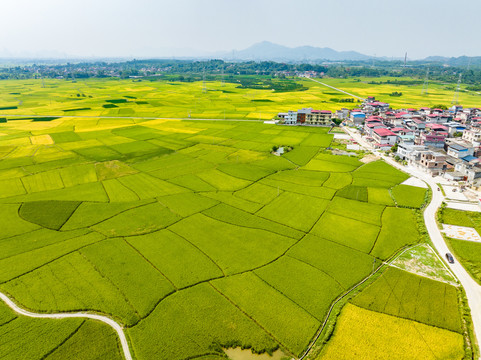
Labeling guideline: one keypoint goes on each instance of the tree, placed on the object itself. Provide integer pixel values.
(336, 121)
(440, 106)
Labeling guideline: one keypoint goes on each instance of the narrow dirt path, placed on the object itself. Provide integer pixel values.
(340, 90)
(104, 319)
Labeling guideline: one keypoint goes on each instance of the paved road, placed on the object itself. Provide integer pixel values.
(121, 117)
(108, 321)
(472, 288)
(340, 90)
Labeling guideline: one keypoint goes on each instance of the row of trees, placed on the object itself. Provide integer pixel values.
(190, 70)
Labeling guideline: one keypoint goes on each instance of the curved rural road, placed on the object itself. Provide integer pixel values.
(472, 288)
(108, 321)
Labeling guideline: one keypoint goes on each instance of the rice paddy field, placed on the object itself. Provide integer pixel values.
(194, 237)
(167, 99)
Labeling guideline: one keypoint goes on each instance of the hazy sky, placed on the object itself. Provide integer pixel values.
(165, 28)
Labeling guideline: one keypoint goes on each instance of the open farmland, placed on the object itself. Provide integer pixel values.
(191, 234)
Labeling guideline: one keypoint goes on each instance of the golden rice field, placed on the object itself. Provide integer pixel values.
(362, 334)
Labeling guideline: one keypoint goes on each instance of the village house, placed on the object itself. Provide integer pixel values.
(459, 151)
(455, 127)
(410, 152)
(473, 136)
(342, 114)
(383, 136)
(357, 118)
(433, 140)
(432, 162)
(290, 118)
(318, 117)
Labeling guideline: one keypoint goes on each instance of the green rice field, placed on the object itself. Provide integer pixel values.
(190, 234)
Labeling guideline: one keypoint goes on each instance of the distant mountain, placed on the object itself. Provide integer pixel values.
(455, 61)
(269, 51)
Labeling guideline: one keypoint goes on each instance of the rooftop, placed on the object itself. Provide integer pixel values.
(457, 147)
(384, 132)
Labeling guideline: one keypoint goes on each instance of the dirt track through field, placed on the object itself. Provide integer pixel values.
(334, 88)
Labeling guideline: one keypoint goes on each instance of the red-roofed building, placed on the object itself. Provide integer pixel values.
(384, 136)
(369, 127)
(318, 117)
(432, 139)
(436, 127)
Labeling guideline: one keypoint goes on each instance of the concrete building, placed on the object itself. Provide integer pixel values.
(291, 118)
(473, 136)
(383, 136)
(434, 140)
(318, 117)
(410, 152)
(459, 151)
(342, 114)
(371, 126)
(432, 162)
(357, 118)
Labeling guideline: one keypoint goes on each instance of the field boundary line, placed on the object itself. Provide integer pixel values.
(63, 342)
(322, 271)
(113, 324)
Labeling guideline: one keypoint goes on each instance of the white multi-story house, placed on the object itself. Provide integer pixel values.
(473, 136)
(290, 118)
(384, 136)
